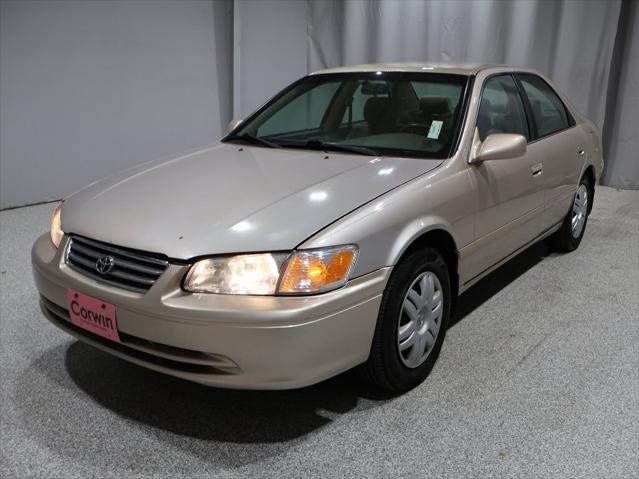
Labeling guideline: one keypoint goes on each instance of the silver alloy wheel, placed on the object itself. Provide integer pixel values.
(579, 211)
(420, 319)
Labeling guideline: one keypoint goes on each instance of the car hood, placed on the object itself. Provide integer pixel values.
(231, 199)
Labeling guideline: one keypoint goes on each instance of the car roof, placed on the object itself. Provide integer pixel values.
(454, 68)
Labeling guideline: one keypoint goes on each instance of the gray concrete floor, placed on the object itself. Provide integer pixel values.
(538, 377)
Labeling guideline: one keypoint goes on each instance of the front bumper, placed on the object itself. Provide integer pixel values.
(251, 342)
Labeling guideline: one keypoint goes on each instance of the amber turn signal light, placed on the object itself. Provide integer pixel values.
(317, 271)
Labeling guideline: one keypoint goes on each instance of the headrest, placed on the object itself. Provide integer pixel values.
(485, 102)
(434, 105)
(484, 118)
(536, 106)
(374, 108)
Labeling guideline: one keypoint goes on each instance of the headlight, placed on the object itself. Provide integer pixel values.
(56, 226)
(245, 274)
(302, 272)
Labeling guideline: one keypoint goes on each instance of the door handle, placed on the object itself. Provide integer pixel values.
(581, 152)
(537, 169)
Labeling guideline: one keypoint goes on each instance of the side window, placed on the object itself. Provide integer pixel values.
(548, 110)
(501, 109)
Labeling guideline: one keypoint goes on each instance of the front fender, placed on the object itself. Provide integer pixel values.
(415, 230)
(386, 227)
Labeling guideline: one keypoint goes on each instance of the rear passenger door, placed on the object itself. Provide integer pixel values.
(558, 146)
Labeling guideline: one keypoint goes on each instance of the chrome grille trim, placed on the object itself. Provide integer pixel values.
(132, 270)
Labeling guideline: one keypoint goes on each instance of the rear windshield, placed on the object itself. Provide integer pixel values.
(377, 113)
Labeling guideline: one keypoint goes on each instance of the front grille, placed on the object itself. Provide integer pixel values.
(131, 269)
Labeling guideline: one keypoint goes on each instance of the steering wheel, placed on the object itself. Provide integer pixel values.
(416, 128)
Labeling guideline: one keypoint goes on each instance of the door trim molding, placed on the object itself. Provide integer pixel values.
(464, 286)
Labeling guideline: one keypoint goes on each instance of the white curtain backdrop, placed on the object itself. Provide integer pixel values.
(91, 88)
(571, 41)
(621, 127)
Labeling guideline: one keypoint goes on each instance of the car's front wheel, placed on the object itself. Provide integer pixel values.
(412, 322)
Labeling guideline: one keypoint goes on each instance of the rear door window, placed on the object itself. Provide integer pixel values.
(549, 112)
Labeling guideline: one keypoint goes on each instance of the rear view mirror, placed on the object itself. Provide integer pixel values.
(375, 88)
(501, 146)
(232, 125)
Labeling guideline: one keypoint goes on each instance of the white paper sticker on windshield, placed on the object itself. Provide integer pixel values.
(435, 129)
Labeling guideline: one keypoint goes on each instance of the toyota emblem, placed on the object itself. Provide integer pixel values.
(104, 264)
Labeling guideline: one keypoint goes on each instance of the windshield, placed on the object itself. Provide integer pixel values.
(377, 113)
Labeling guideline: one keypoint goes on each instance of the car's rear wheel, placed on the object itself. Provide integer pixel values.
(411, 324)
(568, 237)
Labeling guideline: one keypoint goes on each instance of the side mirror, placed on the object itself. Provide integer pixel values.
(232, 125)
(501, 146)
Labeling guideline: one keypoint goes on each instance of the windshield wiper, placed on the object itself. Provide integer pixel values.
(362, 150)
(254, 140)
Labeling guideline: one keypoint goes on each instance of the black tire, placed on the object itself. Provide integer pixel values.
(384, 367)
(564, 240)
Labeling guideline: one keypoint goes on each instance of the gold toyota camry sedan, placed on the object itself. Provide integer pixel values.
(333, 228)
